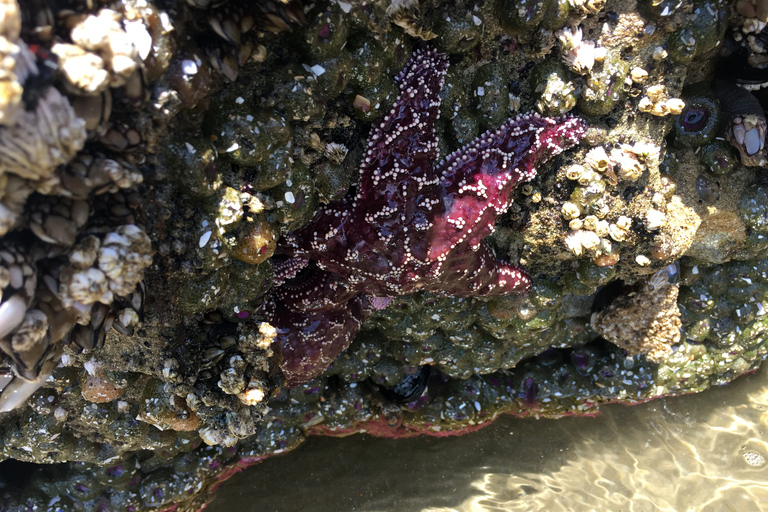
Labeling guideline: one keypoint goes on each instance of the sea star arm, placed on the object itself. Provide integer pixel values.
(479, 273)
(311, 341)
(402, 145)
(396, 184)
(316, 316)
(479, 180)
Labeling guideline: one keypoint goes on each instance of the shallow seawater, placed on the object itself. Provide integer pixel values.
(705, 452)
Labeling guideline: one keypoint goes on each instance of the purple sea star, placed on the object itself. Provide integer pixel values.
(411, 226)
(317, 315)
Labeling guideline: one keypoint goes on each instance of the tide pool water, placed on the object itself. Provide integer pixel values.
(704, 452)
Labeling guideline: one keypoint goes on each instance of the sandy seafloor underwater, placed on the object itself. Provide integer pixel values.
(704, 452)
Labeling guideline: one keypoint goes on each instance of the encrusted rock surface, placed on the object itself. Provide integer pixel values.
(152, 155)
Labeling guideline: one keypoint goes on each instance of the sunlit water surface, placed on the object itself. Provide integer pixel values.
(704, 452)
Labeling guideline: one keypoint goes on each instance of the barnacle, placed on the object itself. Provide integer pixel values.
(658, 103)
(744, 122)
(42, 139)
(579, 54)
(646, 321)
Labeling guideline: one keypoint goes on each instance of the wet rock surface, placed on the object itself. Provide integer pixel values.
(152, 155)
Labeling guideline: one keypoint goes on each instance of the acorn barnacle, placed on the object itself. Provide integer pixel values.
(744, 122)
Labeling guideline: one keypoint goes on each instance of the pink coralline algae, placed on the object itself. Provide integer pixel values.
(412, 226)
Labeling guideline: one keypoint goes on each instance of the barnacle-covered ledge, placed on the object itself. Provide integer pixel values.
(157, 160)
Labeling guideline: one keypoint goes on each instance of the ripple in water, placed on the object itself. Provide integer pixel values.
(704, 452)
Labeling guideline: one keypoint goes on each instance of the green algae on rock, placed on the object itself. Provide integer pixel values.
(553, 89)
(718, 157)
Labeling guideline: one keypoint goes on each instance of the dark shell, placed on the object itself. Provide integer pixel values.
(736, 66)
(409, 388)
(744, 122)
(735, 101)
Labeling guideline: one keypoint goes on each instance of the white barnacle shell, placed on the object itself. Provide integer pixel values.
(654, 219)
(588, 176)
(579, 54)
(624, 222)
(617, 234)
(83, 71)
(642, 260)
(104, 34)
(84, 286)
(31, 332)
(645, 151)
(601, 229)
(85, 252)
(574, 172)
(657, 93)
(674, 106)
(128, 317)
(639, 75)
(581, 240)
(110, 261)
(590, 222)
(630, 168)
(570, 211)
(605, 246)
(124, 255)
(598, 160)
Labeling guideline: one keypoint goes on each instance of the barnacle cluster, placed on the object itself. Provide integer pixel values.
(198, 133)
(658, 103)
(598, 221)
(64, 264)
(646, 321)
